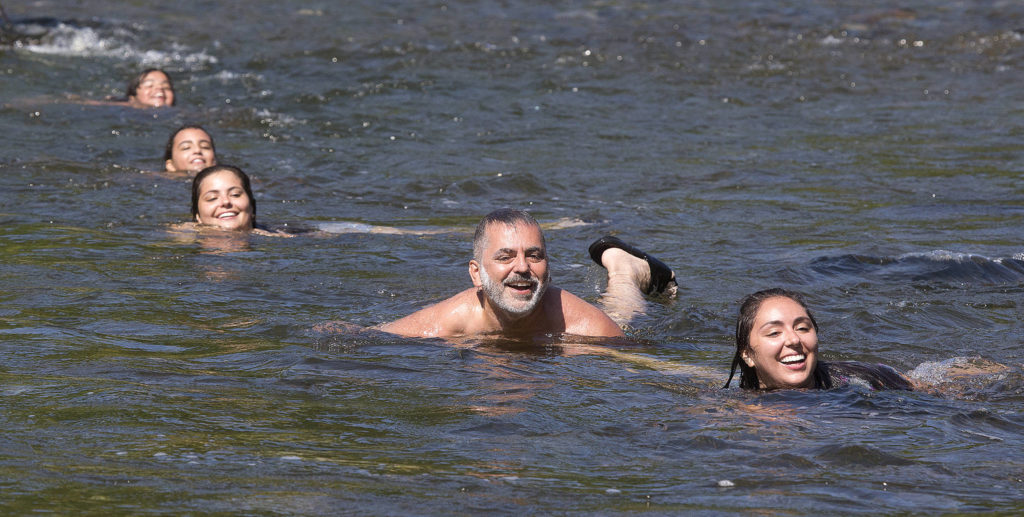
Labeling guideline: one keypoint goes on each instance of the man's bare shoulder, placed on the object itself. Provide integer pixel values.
(584, 319)
(450, 317)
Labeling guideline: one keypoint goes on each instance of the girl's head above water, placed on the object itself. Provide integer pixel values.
(151, 89)
(776, 342)
(222, 197)
(189, 149)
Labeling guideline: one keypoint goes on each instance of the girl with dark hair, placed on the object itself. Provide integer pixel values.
(222, 200)
(189, 150)
(150, 89)
(222, 197)
(777, 347)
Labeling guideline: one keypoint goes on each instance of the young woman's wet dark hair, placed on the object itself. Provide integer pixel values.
(169, 148)
(198, 180)
(745, 324)
(133, 85)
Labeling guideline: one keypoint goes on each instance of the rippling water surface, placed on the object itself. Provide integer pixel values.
(868, 155)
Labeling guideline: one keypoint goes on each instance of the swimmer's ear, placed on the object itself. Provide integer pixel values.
(747, 359)
(474, 273)
(169, 165)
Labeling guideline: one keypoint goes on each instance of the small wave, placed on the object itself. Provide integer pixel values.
(272, 119)
(345, 227)
(965, 266)
(936, 265)
(858, 455)
(831, 40)
(935, 372)
(228, 76)
(970, 378)
(74, 39)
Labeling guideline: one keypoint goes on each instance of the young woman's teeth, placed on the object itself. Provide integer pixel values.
(793, 359)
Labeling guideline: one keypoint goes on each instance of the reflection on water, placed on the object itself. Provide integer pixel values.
(868, 156)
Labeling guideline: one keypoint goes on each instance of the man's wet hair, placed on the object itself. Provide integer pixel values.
(133, 86)
(169, 148)
(198, 180)
(506, 216)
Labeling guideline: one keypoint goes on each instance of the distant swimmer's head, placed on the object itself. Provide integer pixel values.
(776, 342)
(222, 197)
(189, 149)
(151, 89)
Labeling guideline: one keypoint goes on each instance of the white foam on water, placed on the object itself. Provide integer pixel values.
(177, 55)
(272, 119)
(947, 256)
(75, 41)
(70, 41)
(227, 76)
(15, 390)
(934, 372)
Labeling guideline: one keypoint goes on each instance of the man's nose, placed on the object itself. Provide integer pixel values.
(520, 264)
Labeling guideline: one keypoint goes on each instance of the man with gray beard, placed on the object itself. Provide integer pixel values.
(511, 293)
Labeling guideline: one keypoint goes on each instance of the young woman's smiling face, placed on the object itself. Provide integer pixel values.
(783, 345)
(224, 203)
(191, 151)
(154, 91)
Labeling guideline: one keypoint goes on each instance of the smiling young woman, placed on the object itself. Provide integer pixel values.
(222, 197)
(777, 348)
(189, 150)
(151, 89)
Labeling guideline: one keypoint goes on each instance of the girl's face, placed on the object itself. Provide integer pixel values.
(783, 345)
(224, 203)
(154, 90)
(192, 151)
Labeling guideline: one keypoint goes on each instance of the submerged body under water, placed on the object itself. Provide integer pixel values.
(867, 157)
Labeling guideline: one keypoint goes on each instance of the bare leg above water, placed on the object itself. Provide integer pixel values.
(631, 274)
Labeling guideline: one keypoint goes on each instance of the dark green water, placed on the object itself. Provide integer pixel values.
(868, 156)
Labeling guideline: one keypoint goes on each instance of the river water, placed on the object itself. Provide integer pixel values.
(868, 156)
